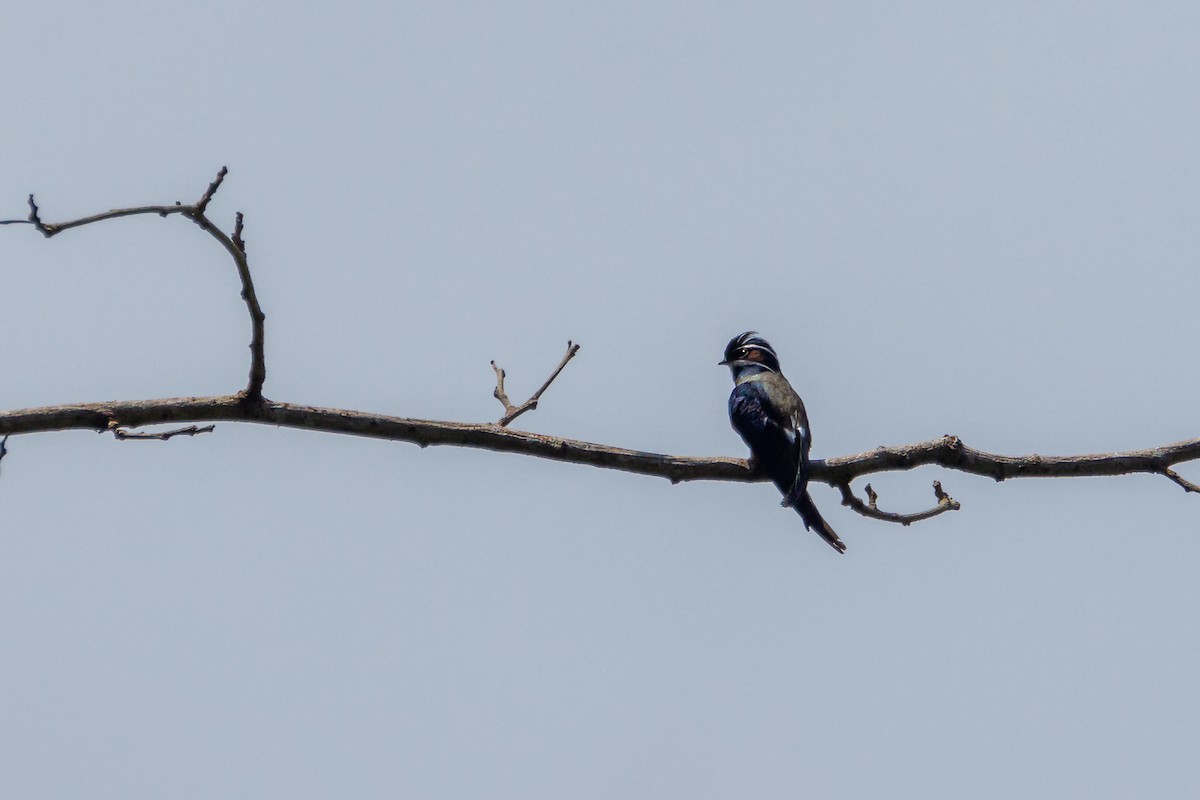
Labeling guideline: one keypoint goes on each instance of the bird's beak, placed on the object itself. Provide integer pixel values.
(723, 363)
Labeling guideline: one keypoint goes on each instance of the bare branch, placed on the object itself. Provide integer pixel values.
(250, 406)
(206, 198)
(499, 392)
(237, 250)
(33, 219)
(49, 229)
(870, 508)
(239, 222)
(511, 412)
(36, 220)
(489, 436)
(235, 246)
(949, 451)
(1187, 485)
(121, 434)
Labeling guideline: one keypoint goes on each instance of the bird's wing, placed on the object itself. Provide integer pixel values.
(768, 433)
(753, 416)
(800, 422)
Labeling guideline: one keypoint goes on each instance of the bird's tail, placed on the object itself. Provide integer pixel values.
(815, 522)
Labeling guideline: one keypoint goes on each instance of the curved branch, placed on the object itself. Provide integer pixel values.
(50, 229)
(237, 250)
(870, 508)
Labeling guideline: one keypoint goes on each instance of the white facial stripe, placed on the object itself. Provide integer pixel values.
(745, 362)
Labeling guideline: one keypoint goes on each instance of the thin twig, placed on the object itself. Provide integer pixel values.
(32, 219)
(238, 225)
(121, 434)
(1187, 485)
(36, 221)
(206, 198)
(511, 412)
(237, 250)
(49, 230)
(4, 446)
(871, 509)
(499, 392)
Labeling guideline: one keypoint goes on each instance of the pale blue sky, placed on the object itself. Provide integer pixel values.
(947, 217)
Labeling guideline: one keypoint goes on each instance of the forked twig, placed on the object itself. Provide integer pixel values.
(871, 509)
(511, 412)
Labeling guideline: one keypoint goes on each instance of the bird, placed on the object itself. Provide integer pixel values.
(769, 416)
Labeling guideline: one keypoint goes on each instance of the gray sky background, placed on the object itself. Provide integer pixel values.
(947, 217)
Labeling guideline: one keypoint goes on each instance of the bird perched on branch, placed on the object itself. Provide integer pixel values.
(768, 414)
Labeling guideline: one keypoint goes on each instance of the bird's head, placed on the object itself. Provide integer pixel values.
(749, 351)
